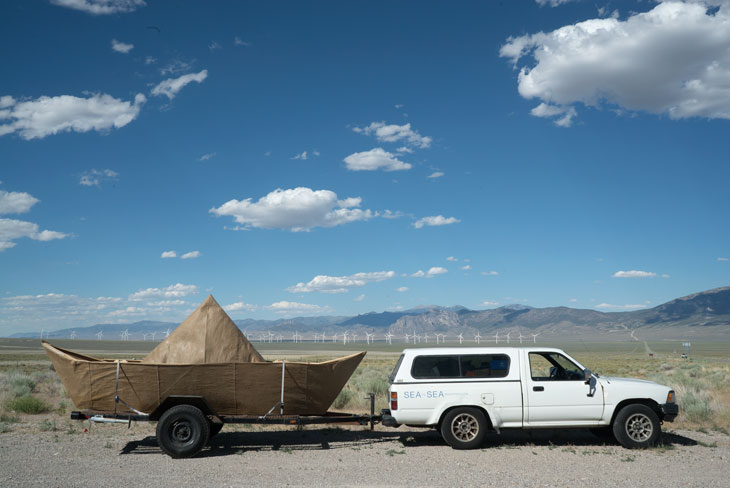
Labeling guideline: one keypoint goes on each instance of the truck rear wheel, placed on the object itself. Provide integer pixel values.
(464, 428)
(637, 426)
(182, 431)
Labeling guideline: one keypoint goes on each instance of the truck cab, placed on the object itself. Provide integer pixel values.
(466, 391)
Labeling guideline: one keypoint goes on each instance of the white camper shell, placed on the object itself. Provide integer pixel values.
(466, 391)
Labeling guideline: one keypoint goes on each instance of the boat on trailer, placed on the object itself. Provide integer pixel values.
(204, 372)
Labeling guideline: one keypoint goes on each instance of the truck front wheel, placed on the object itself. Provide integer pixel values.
(637, 426)
(182, 431)
(464, 428)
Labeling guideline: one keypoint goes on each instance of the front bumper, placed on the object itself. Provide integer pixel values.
(669, 411)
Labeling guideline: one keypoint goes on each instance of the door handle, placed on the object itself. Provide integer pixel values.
(538, 388)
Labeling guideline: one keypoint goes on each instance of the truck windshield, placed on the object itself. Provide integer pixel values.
(391, 378)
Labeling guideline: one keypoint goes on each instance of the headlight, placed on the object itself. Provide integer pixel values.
(671, 398)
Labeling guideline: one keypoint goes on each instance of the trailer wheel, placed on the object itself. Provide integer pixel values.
(464, 428)
(182, 431)
(637, 426)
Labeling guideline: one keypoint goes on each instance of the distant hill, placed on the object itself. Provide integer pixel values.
(700, 315)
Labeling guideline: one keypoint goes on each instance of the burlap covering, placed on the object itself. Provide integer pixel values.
(206, 357)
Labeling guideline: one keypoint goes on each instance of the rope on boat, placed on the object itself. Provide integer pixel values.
(280, 403)
(116, 396)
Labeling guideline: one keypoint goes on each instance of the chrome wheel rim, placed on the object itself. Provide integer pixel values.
(639, 427)
(465, 427)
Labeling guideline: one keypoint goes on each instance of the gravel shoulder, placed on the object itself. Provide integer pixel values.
(113, 455)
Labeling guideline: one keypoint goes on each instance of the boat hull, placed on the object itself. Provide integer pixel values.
(229, 388)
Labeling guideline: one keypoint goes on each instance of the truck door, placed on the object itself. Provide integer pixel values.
(557, 392)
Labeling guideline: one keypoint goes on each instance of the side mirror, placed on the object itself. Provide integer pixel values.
(587, 374)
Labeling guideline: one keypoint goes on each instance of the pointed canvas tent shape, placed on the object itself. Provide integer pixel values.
(207, 336)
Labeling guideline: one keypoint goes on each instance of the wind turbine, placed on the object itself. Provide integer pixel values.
(41, 334)
(425, 337)
(416, 337)
(389, 338)
(354, 337)
(520, 337)
(153, 335)
(461, 337)
(407, 336)
(477, 338)
(296, 336)
(508, 333)
(126, 335)
(533, 338)
(334, 338)
(344, 336)
(369, 336)
(167, 332)
(496, 338)
(279, 338)
(73, 334)
(271, 337)
(99, 335)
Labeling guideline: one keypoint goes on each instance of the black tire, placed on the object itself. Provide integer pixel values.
(182, 431)
(637, 426)
(214, 428)
(464, 428)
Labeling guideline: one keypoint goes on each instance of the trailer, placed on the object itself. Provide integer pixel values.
(185, 423)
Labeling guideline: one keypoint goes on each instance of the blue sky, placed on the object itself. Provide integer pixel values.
(338, 159)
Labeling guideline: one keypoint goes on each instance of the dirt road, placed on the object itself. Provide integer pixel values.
(112, 455)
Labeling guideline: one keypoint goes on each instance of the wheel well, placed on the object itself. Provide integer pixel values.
(175, 400)
(486, 414)
(642, 401)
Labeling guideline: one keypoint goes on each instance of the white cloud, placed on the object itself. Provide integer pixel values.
(634, 274)
(359, 298)
(175, 67)
(214, 45)
(435, 220)
(434, 271)
(573, 300)
(168, 254)
(150, 60)
(340, 284)
(489, 273)
(621, 307)
(233, 307)
(452, 259)
(402, 289)
(436, 174)
(665, 276)
(466, 267)
(237, 41)
(50, 115)
(94, 177)
(101, 7)
(190, 255)
(7, 101)
(121, 47)
(172, 86)
(404, 149)
(546, 111)
(177, 290)
(206, 157)
(297, 209)
(552, 3)
(302, 155)
(605, 61)
(373, 160)
(11, 230)
(15, 202)
(286, 307)
(722, 259)
(392, 133)
(487, 303)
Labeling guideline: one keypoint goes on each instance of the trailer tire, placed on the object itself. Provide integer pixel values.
(182, 431)
(637, 426)
(464, 428)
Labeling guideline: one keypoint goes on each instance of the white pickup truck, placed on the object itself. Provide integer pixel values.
(466, 391)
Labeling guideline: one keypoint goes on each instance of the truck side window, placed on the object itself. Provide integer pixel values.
(472, 366)
(435, 367)
(551, 366)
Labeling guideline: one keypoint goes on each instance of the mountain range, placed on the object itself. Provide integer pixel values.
(704, 315)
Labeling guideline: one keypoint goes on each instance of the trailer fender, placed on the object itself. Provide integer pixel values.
(174, 400)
